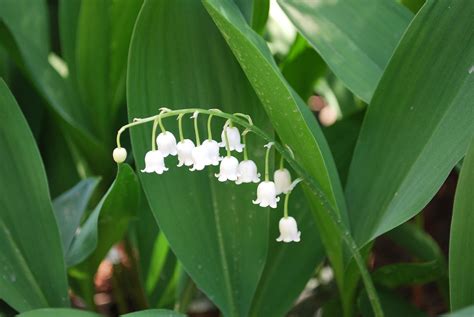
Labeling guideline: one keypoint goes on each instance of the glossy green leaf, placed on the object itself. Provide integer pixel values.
(70, 207)
(400, 274)
(356, 38)
(154, 313)
(219, 236)
(292, 120)
(424, 107)
(28, 278)
(260, 14)
(461, 259)
(58, 312)
(109, 220)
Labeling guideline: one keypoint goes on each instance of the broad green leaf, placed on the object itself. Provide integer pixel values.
(418, 124)
(108, 222)
(291, 118)
(154, 313)
(400, 274)
(28, 230)
(59, 93)
(70, 207)
(393, 305)
(461, 258)
(289, 266)
(260, 15)
(101, 72)
(356, 38)
(58, 312)
(216, 232)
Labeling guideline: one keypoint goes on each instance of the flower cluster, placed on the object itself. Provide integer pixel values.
(197, 156)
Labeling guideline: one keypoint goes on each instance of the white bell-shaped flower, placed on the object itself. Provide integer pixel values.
(185, 152)
(233, 136)
(154, 162)
(119, 154)
(212, 149)
(288, 230)
(266, 195)
(247, 171)
(200, 158)
(282, 179)
(166, 143)
(228, 170)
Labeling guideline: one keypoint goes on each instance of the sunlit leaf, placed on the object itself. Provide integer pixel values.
(424, 108)
(356, 38)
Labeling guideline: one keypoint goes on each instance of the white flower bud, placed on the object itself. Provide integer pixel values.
(228, 169)
(199, 155)
(282, 179)
(327, 116)
(212, 149)
(266, 195)
(247, 171)
(154, 162)
(119, 154)
(288, 230)
(166, 143)
(233, 135)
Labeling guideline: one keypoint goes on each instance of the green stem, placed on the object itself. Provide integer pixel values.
(153, 135)
(227, 145)
(282, 162)
(244, 138)
(285, 207)
(196, 130)
(209, 130)
(309, 181)
(267, 162)
(180, 126)
(162, 127)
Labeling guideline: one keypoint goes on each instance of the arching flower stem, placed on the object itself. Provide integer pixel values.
(196, 129)
(227, 146)
(244, 139)
(180, 126)
(153, 134)
(267, 161)
(310, 182)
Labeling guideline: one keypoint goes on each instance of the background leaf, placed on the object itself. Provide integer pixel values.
(422, 105)
(154, 313)
(461, 259)
(29, 279)
(356, 38)
(58, 312)
(108, 222)
(70, 207)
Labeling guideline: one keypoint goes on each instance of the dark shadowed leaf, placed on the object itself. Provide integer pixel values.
(28, 229)
(461, 258)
